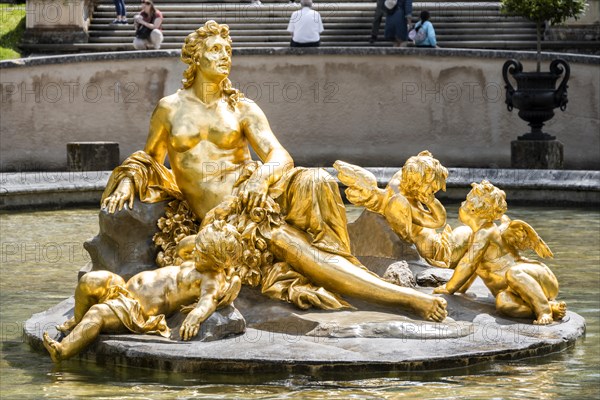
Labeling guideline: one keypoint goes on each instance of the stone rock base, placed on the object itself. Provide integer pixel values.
(124, 244)
(536, 154)
(280, 338)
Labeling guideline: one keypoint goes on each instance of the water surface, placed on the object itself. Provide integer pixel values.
(41, 253)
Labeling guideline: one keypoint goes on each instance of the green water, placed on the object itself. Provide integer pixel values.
(41, 253)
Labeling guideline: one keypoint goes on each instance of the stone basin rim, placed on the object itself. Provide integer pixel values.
(287, 357)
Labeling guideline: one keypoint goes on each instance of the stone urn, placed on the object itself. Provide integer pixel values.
(536, 95)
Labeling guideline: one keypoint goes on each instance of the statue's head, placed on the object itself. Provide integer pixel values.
(218, 246)
(197, 52)
(422, 177)
(485, 201)
(195, 47)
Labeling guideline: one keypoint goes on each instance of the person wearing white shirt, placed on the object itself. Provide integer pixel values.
(305, 26)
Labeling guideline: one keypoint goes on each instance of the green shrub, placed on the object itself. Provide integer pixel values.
(540, 11)
(12, 26)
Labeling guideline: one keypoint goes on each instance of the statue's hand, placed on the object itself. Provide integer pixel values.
(191, 325)
(123, 194)
(253, 193)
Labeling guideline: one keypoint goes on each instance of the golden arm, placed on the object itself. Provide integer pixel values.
(156, 147)
(435, 218)
(276, 160)
(467, 266)
(207, 304)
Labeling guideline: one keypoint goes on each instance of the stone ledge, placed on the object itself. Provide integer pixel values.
(24, 190)
(336, 51)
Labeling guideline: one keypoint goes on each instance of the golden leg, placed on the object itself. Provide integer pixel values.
(337, 274)
(521, 280)
(91, 288)
(99, 318)
(511, 304)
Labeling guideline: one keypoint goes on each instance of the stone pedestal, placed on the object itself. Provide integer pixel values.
(57, 21)
(536, 154)
(92, 156)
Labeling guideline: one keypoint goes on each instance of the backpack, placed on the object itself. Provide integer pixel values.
(417, 34)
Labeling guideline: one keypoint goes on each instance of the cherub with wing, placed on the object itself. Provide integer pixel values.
(522, 287)
(408, 202)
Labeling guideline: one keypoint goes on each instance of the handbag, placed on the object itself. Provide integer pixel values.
(143, 32)
(417, 34)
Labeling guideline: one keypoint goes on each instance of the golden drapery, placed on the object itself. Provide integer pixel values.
(153, 181)
(129, 311)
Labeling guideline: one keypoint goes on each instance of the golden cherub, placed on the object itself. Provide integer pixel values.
(104, 302)
(522, 287)
(408, 202)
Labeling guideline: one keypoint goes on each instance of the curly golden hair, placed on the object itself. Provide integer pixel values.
(488, 201)
(420, 169)
(220, 243)
(193, 48)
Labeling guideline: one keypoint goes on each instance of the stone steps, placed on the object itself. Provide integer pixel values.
(464, 24)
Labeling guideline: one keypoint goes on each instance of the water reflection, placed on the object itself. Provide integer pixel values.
(41, 254)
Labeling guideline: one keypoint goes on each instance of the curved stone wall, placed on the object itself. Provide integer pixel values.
(370, 106)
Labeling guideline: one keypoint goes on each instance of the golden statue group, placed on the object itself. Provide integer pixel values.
(283, 228)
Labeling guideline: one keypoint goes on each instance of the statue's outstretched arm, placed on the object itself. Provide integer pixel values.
(362, 187)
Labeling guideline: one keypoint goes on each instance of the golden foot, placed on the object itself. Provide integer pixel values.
(437, 312)
(53, 347)
(66, 327)
(559, 309)
(544, 319)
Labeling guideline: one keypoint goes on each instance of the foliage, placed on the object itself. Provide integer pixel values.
(554, 11)
(12, 26)
(540, 11)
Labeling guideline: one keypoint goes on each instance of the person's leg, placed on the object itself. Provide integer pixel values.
(337, 274)
(139, 44)
(402, 30)
(377, 21)
(118, 11)
(156, 39)
(99, 318)
(123, 12)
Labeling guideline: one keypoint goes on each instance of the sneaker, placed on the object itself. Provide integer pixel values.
(115, 22)
(123, 22)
